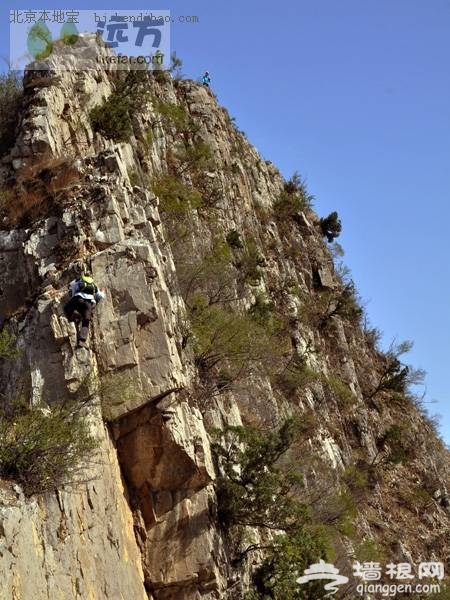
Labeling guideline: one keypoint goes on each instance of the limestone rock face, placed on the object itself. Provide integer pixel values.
(144, 523)
(71, 544)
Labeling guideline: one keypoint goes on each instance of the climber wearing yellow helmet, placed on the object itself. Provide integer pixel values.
(84, 295)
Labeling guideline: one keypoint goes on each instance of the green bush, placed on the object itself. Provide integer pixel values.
(372, 336)
(250, 262)
(293, 199)
(234, 239)
(177, 202)
(226, 344)
(395, 376)
(252, 478)
(212, 277)
(341, 391)
(418, 497)
(296, 185)
(175, 197)
(197, 155)
(223, 337)
(286, 560)
(263, 312)
(112, 118)
(8, 348)
(134, 177)
(369, 550)
(355, 478)
(11, 93)
(161, 75)
(331, 226)
(341, 302)
(336, 508)
(148, 138)
(175, 65)
(258, 489)
(118, 390)
(395, 446)
(296, 376)
(288, 205)
(173, 115)
(44, 448)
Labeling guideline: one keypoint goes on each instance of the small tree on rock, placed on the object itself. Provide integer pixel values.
(395, 376)
(331, 226)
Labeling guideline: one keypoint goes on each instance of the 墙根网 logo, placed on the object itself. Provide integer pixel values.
(323, 570)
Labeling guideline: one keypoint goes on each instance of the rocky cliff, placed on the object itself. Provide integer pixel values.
(178, 207)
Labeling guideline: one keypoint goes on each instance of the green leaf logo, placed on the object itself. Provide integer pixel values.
(39, 41)
(69, 34)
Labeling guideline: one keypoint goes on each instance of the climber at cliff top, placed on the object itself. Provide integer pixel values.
(84, 295)
(206, 79)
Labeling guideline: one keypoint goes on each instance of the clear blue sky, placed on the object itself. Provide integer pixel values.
(356, 96)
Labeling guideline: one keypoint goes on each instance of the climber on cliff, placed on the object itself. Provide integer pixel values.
(84, 295)
(206, 79)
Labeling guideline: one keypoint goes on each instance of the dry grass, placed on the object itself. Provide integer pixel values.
(56, 173)
(19, 208)
(37, 190)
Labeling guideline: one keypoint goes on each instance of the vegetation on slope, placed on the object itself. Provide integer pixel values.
(237, 326)
(43, 447)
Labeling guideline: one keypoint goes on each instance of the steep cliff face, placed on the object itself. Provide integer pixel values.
(144, 525)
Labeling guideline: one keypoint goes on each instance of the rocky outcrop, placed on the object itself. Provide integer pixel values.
(144, 524)
(88, 540)
(74, 544)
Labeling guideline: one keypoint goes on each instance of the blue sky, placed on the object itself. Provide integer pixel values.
(356, 97)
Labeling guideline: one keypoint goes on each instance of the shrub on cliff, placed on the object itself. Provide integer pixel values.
(226, 338)
(342, 302)
(397, 445)
(250, 261)
(296, 185)
(173, 115)
(252, 477)
(393, 375)
(212, 276)
(8, 348)
(176, 65)
(44, 448)
(176, 116)
(286, 559)
(11, 93)
(234, 239)
(259, 488)
(340, 391)
(295, 376)
(161, 75)
(294, 198)
(197, 156)
(116, 390)
(174, 195)
(112, 118)
(262, 312)
(331, 226)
